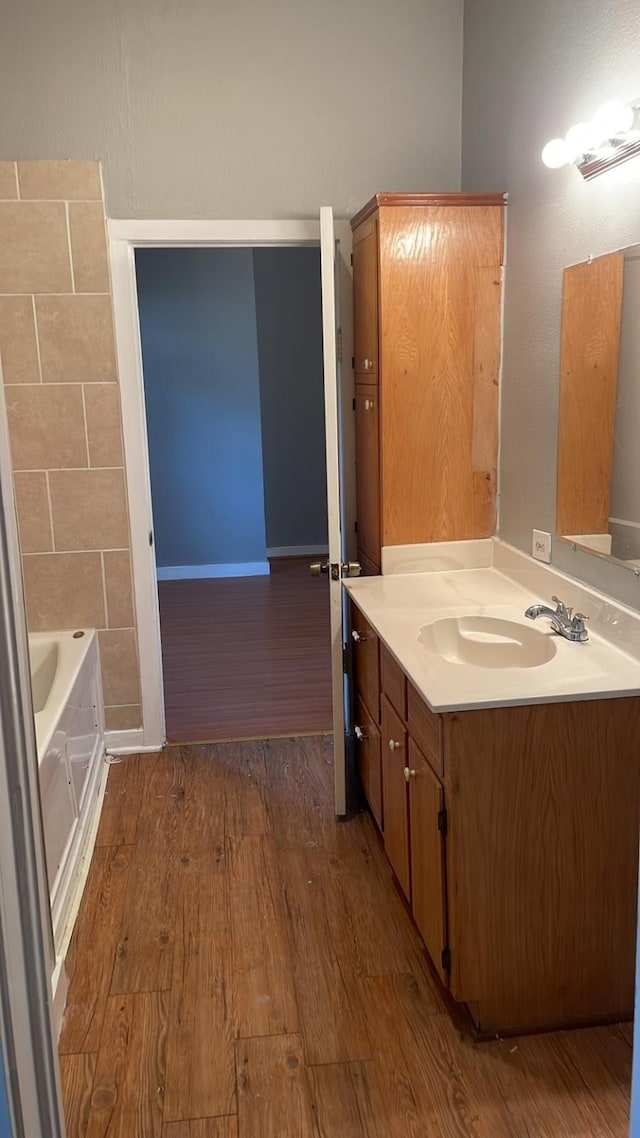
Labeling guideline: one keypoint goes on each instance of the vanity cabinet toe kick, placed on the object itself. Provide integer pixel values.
(513, 834)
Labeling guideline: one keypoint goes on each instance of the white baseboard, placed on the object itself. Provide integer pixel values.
(298, 551)
(129, 742)
(196, 572)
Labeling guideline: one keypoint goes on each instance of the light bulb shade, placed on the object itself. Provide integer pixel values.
(555, 154)
(611, 119)
(579, 140)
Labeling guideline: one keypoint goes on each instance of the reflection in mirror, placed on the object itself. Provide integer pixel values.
(598, 493)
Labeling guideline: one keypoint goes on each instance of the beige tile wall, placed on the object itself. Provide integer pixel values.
(63, 404)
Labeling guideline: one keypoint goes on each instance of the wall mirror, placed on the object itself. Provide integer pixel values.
(598, 490)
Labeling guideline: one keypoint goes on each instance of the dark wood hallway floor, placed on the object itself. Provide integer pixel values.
(243, 967)
(246, 657)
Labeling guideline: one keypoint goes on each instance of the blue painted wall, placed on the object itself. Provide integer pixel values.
(199, 347)
(289, 321)
(5, 1121)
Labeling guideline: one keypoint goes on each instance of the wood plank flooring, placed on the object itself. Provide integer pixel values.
(246, 657)
(243, 967)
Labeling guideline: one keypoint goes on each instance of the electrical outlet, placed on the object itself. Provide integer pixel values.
(541, 548)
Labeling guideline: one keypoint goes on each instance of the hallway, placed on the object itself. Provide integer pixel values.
(243, 967)
(247, 657)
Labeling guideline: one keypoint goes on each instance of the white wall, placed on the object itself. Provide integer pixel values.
(531, 69)
(237, 108)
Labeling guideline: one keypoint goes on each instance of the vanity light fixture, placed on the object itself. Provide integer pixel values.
(612, 137)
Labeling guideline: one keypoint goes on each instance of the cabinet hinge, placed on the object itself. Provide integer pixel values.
(354, 403)
(353, 368)
(355, 527)
(445, 959)
(351, 258)
(442, 822)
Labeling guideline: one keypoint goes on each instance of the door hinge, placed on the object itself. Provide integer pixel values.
(442, 822)
(355, 527)
(339, 345)
(445, 959)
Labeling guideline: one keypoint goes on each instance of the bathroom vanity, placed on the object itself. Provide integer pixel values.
(507, 796)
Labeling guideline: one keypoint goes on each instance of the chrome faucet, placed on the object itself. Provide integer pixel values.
(562, 621)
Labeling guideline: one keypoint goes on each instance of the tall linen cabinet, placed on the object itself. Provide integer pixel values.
(427, 275)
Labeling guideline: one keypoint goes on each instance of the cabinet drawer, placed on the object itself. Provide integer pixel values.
(366, 665)
(426, 728)
(368, 759)
(395, 791)
(394, 684)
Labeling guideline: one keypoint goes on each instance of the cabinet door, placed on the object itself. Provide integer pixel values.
(366, 662)
(365, 300)
(426, 803)
(368, 759)
(368, 472)
(395, 793)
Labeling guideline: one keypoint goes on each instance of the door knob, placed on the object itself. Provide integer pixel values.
(394, 745)
(317, 568)
(351, 568)
(409, 774)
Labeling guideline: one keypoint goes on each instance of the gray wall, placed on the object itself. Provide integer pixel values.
(289, 322)
(530, 71)
(199, 347)
(237, 108)
(625, 482)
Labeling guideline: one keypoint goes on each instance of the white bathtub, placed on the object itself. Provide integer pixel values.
(69, 722)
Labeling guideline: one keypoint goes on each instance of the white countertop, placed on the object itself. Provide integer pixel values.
(400, 604)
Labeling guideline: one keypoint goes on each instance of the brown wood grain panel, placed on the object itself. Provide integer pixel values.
(300, 788)
(129, 1079)
(365, 301)
(368, 567)
(393, 682)
(543, 816)
(440, 288)
(245, 787)
(205, 787)
(428, 199)
(273, 1097)
(247, 657)
(425, 726)
(89, 961)
(77, 1073)
(428, 899)
(366, 661)
(367, 421)
(262, 966)
(368, 760)
(341, 1100)
(331, 1016)
(591, 312)
(394, 795)
(122, 801)
(201, 1009)
(202, 1128)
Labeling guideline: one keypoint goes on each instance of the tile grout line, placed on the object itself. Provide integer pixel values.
(73, 277)
(53, 533)
(66, 550)
(104, 591)
(35, 329)
(86, 431)
(57, 293)
(15, 174)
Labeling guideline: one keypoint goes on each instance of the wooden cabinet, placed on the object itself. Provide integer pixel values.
(368, 758)
(427, 820)
(427, 294)
(368, 480)
(513, 833)
(395, 790)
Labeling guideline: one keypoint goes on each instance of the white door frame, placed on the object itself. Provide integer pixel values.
(124, 238)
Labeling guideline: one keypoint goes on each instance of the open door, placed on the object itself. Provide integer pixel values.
(336, 565)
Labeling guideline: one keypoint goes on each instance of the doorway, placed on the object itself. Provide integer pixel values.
(334, 240)
(233, 380)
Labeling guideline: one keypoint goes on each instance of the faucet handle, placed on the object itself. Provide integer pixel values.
(577, 623)
(561, 608)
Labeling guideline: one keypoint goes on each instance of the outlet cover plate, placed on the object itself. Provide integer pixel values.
(541, 545)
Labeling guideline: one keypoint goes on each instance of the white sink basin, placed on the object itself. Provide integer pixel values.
(487, 642)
